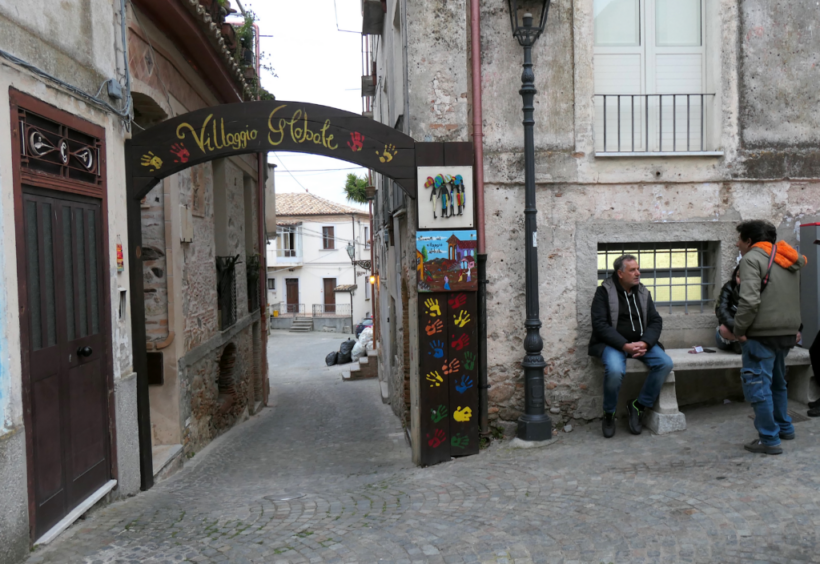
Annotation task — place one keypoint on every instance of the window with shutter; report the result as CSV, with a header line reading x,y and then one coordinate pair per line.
x,y
650,76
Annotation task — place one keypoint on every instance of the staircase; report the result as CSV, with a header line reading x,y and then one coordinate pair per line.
x,y
366,367
302,325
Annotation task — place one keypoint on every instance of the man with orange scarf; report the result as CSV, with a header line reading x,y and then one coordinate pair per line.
x,y
766,324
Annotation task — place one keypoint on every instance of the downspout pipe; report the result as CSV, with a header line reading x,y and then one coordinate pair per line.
x,y
478,145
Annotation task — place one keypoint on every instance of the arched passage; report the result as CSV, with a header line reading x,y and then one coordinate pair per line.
x,y
234,129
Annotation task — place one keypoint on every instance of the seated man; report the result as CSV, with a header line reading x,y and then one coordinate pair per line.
x,y
625,325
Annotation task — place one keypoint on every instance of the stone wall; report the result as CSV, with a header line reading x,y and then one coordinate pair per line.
x,y
761,58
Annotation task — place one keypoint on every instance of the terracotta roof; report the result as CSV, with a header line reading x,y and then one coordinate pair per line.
x,y
308,204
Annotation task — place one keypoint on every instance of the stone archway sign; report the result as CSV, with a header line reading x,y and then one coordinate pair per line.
x,y
261,127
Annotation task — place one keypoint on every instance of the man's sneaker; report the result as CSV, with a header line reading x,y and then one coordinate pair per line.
x,y
813,404
814,412
787,436
608,425
757,447
635,415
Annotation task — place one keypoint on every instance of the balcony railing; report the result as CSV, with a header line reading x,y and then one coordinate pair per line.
x,y
330,310
290,310
652,123
288,256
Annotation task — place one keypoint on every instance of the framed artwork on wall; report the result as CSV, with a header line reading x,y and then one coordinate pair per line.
x,y
446,261
445,197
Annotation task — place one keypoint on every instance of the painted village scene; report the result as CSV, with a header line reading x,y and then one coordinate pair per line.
x,y
446,260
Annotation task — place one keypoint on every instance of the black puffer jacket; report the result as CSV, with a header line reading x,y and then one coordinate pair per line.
x,y
726,305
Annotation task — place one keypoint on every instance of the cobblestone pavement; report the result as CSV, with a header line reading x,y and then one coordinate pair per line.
x,y
324,476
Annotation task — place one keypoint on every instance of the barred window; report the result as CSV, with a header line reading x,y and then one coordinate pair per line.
x,y
681,276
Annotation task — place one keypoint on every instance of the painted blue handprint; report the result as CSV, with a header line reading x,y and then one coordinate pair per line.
x,y
438,349
466,384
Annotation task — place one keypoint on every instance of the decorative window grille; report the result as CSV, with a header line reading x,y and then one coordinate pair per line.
x,y
681,276
226,290
49,147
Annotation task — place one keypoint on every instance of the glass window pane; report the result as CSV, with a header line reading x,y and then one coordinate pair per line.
x,y
33,264
79,256
677,23
617,22
92,259
48,276
68,266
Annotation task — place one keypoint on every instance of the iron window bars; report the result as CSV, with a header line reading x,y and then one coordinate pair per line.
x,y
679,275
625,108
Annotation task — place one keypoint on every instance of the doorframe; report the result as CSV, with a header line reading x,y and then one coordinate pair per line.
x,y
42,180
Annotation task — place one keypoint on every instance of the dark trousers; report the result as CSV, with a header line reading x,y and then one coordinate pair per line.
x,y
814,354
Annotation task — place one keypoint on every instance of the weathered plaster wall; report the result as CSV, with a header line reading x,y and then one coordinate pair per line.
x,y
761,65
14,539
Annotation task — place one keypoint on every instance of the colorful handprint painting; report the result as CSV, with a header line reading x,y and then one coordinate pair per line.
x,y
445,195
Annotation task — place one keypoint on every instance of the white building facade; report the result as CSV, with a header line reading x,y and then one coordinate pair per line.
x,y
310,270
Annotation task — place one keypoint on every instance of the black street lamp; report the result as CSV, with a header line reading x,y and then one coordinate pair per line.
x,y
534,424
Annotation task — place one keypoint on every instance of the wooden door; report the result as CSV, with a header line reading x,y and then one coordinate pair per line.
x,y
330,295
292,285
63,274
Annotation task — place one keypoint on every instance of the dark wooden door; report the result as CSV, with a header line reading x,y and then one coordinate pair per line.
x,y
292,285
64,268
330,295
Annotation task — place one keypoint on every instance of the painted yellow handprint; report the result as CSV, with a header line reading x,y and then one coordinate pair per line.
x,y
435,379
152,161
388,154
462,319
463,415
433,309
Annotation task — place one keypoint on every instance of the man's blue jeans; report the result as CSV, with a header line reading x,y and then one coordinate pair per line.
x,y
764,384
659,363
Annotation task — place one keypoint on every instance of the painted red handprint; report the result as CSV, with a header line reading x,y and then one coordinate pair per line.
x,y
451,367
180,151
356,141
461,342
438,438
434,327
457,301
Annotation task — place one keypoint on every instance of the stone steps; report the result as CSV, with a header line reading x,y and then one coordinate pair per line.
x,y
367,367
301,325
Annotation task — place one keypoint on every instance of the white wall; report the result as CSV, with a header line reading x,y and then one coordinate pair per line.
x,y
318,263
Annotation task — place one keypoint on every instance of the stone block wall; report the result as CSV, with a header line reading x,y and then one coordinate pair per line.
x,y
207,412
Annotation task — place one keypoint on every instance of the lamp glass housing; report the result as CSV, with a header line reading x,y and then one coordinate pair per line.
x,y
351,250
372,280
538,9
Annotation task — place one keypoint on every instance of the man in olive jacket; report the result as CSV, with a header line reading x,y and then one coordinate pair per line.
x,y
625,324
766,324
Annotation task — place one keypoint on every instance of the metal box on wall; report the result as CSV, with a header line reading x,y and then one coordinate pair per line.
x,y
810,282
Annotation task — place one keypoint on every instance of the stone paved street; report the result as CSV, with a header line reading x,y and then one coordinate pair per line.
x,y
324,475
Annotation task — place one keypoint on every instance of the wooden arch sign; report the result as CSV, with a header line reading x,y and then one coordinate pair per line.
x,y
260,127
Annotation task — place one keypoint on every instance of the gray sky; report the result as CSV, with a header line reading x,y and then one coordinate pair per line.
x,y
315,63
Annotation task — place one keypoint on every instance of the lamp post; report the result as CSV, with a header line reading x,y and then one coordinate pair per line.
x,y
351,252
534,424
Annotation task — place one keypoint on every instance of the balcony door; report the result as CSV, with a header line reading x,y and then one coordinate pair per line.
x,y
63,275
645,49
330,295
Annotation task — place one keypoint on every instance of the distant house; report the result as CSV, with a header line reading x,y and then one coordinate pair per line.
x,y
308,264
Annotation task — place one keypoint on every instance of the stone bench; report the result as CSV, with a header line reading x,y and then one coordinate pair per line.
x,y
665,417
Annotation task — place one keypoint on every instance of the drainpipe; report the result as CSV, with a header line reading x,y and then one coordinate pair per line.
x,y
478,143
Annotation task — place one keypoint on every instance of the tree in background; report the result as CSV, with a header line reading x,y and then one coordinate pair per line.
x,y
424,253
356,189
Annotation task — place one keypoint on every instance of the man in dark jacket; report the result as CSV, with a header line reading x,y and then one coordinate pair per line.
x,y
625,325
766,324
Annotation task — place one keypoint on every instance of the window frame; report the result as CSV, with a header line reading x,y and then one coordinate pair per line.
x,y
707,270
328,238
272,284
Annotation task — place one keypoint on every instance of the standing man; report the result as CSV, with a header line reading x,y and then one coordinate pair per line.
x,y
766,324
625,325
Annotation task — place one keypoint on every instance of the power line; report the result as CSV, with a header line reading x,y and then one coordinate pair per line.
x,y
329,169
291,174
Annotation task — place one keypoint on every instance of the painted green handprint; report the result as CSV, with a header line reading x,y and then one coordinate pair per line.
x,y
459,441
439,414
469,360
